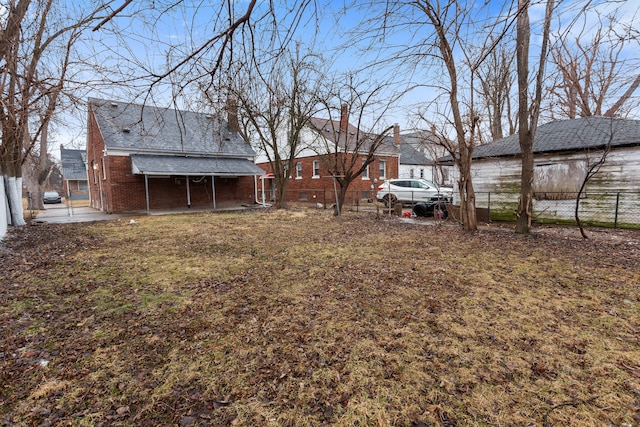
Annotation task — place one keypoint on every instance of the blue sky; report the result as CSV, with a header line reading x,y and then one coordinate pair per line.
x,y
336,21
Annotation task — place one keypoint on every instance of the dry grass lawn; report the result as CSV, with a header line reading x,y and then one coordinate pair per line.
x,y
292,318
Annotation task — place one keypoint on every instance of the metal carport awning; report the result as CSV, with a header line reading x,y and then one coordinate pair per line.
x,y
144,164
179,165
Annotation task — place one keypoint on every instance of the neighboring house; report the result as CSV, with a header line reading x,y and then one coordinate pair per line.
x,y
563,152
74,174
142,157
310,178
418,151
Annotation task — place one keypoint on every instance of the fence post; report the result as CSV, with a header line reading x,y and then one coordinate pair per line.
x,y
615,221
489,206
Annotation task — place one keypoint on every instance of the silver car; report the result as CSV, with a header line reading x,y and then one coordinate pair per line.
x,y
412,191
52,197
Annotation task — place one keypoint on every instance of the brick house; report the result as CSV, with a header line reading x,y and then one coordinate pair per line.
x,y
310,180
74,174
142,157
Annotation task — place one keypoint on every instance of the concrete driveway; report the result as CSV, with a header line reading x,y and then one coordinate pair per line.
x,y
60,213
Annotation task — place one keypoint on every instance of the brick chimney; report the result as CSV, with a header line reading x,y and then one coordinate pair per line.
x,y
396,135
344,119
232,114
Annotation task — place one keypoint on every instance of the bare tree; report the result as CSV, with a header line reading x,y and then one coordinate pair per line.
x,y
528,114
592,75
449,42
26,85
206,49
349,147
276,101
496,75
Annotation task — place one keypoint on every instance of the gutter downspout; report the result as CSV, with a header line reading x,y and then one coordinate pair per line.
x,y
188,193
146,192
213,190
255,188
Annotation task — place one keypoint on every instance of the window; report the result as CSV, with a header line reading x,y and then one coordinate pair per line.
x,y
299,170
411,175
83,185
303,196
422,173
316,169
558,181
104,170
365,172
383,169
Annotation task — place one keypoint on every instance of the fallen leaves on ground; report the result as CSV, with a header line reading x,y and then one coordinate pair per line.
x,y
293,318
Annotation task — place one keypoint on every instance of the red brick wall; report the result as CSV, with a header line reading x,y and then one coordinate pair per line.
x,y
128,190
74,187
123,191
325,183
95,147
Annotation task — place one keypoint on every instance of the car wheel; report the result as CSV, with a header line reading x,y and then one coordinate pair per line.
x,y
440,211
386,199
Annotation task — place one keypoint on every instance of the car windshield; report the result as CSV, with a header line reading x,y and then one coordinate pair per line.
x,y
51,194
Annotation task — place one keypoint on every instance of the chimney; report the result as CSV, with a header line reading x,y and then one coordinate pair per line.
x,y
396,135
232,114
344,119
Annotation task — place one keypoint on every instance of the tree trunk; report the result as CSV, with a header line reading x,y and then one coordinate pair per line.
x,y
528,114
281,191
525,206
342,194
12,170
523,33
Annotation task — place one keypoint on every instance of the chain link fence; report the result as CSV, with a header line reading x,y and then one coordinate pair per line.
x,y
619,210
615,209
355,200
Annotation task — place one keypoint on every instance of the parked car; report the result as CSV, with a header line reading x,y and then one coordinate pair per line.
x,y
52,197
412,191
437,210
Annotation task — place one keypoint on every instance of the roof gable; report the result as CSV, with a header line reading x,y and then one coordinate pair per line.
x,y
73,164
148,129
330,130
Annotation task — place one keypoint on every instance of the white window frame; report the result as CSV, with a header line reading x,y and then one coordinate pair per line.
x,y
365,173
316,169
299,170
383,169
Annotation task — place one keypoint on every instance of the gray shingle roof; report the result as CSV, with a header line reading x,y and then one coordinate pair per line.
x,y
330,129
410,156
568,135
172,165
73,164
148,129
